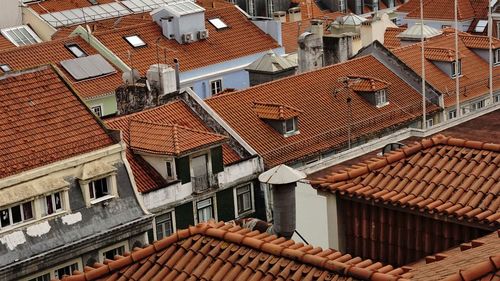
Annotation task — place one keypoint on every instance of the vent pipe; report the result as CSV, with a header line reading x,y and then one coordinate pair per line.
x,y
283,181
177,78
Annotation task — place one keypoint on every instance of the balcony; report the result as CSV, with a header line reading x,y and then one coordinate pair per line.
x,y
204,182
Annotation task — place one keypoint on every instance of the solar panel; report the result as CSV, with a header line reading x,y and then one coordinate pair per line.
x,y
20,35
87,67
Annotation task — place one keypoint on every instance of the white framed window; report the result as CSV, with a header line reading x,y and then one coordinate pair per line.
x,y
135,41
430,123
290,125
481,26
21,35
76,50
381,98
111,251
53,203
97,109
65,270
453,74
496,57
452,114
477,105
205,210
497,98
44,277
244,199
215,86
57,272
164,225
218,23
5,67
16,214
170,170
98,188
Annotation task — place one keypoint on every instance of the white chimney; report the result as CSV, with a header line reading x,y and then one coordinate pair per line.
x,y
294,14
162,77
317,27
279,16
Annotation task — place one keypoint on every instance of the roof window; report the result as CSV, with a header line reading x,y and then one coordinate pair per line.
x,y
76,50
21,35
5,67
455,70
218,23
481,26
135,41
282,118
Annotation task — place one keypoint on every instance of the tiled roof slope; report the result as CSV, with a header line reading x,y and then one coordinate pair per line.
x,y
443,175
474,78
177,112
54,52
475,260
49,6
241,38
441,54
227,252
367,84
444,10
5,43
42,121
391,40
169,139
323,123
275,111
479,42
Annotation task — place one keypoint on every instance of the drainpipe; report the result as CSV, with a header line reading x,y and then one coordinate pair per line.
x,y
177,78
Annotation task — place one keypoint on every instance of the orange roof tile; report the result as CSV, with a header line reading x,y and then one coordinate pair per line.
x,y
242,38
222,251
476,260
42,121
169,139
5,43
474,78
448,176
443,10
49,6
275,111
441,54
54,52
391,40
360,83
323,124
177,112
479,42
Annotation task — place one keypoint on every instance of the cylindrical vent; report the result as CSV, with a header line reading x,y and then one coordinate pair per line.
x,y
284,209
294,14
279,16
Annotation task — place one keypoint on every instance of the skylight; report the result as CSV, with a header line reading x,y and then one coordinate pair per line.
x,y
76,50
135,41
218,23
5,67
20,35
481,26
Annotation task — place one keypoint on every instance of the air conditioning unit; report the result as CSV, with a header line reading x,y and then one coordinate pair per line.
x,y
187,37
202,34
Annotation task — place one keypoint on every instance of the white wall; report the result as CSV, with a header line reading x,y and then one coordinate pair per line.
x,y
164,196
239,172
10,14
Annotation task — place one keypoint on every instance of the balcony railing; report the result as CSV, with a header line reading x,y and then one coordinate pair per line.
x,y
204,182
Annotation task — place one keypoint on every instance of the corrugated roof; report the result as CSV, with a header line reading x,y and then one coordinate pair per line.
x,y
415,32
271,63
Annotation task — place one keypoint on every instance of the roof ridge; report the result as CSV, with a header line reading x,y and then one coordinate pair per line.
x,y
221,231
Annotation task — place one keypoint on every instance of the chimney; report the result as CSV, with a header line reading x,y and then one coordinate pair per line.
x,y
310,52
337,48
317,27
177,74
279,16
294,14
283,181
163,78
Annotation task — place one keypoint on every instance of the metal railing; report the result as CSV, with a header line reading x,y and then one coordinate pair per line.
x,y
204,182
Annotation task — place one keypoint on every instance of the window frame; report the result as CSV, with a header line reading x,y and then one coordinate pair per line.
x,y
23,220
113,247
217,90
496,57
211,205
237,212
5,33
128,39
53,202
71,47
161,223
5,67
452,114
100,106
92,194
453,74
381,98
172,175
429,123
218,23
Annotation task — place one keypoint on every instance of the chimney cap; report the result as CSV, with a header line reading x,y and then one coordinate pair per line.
x,y
281,174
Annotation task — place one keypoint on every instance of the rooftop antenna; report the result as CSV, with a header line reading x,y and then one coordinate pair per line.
x,y
422,57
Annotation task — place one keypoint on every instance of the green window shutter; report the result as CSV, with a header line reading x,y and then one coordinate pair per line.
x,y
225,205
184,216
182,169
217,160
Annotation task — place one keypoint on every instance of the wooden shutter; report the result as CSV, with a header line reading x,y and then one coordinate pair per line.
x,y
184,216
182,169
225,204
217,160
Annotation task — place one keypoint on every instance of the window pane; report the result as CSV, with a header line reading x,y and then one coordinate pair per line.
x,y
57,200
49,207
27,211
16,214
4,217
101,187
91,190
169,169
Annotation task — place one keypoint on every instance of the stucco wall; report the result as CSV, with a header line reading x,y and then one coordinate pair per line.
x,y
108,104
10,14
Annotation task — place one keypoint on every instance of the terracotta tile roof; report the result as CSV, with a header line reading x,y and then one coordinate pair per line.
x,y
49,6
447,176
5,43
366,84
474,78
472,27
228,252
177,112
441,54
275,111
322,125
54,52
391,40
240,39
42,121
169,139
310,10
479,42
476,260
443,10
290,31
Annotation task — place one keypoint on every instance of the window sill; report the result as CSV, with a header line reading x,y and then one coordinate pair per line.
x,y
101,199
382,104
31,222
289,134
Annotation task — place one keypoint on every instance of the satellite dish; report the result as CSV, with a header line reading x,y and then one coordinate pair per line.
x,y
129,77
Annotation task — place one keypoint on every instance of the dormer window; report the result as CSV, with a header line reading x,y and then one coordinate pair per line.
x,y
98,188
290,125
98,182
282,118
496,57
455,70
135,41
372,89
381,97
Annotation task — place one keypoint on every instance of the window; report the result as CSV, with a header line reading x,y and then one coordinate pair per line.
x,y
170,170
481,26
205,210
16,214
135,41
477,105
5,67
53,203
66,270
216,86
381,98
110,254
496,57
290,126
164,225
452,114
218,23
497,98
45,277
21,35
430,123
76,50
453,74
244,199
98,188
97,110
